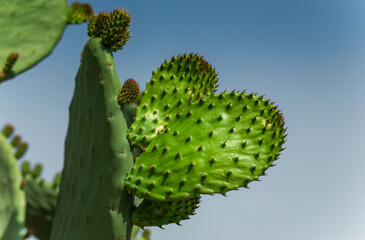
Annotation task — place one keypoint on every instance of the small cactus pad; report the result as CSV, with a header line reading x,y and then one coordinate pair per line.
x,y
12,198
158,213
112,28
177,82
129,92
41,202
78,12
217,144
30,30
92,202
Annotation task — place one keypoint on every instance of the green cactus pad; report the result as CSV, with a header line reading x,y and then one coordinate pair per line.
x,y
177,82
30,29
93,203
12,199
217,144
158,213
41,203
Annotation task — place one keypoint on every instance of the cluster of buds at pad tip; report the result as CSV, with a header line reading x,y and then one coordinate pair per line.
x,y
78,12
111,27
129,92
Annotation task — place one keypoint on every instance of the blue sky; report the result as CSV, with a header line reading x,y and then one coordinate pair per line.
x,y
308,56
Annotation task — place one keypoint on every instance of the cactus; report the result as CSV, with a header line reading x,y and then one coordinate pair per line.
x,y
26,200
41,198
176,83
97,153
134,159
33,28
217,144
12,200
157,213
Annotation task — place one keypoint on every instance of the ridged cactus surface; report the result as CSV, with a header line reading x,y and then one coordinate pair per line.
x,y
181,80
31,29
157,213
93,203
216,144
12,198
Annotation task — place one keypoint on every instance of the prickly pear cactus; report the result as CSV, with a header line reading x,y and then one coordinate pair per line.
x,y
93,203
32,30
215,144
12,198
157,213
181,80
41,198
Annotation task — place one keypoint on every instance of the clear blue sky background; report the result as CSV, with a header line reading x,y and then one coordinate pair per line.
x,y
308,56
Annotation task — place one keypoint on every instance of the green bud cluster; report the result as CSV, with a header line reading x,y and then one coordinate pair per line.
x,y
10,61
111,27
129,92
78,12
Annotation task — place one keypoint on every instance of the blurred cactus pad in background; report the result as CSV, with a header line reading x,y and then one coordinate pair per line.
x,y
33,28
132,159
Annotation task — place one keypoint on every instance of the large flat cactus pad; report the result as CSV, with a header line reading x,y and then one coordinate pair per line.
x,y
30,28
